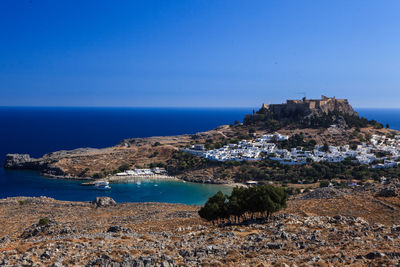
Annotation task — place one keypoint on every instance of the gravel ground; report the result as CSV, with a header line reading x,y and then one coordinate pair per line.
x,y
309,232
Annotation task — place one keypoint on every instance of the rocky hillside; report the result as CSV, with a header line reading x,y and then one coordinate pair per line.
x,y
86,162
353,227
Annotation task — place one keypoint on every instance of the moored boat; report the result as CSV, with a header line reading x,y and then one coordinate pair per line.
x,y
102,185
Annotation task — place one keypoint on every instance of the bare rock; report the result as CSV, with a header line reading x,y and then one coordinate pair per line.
x,y
104,202
324,193
17,160
388,192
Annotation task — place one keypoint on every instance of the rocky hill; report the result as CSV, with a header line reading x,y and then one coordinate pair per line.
x,y
355,227
308,113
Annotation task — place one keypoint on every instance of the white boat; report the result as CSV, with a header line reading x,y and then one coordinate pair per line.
x,y
102,185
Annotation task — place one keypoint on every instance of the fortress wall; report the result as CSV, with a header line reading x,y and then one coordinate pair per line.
x,y
308,106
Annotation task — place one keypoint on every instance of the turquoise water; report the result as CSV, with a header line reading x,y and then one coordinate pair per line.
x,y
29,183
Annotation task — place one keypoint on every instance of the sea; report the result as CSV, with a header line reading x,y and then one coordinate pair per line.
x,y
40,130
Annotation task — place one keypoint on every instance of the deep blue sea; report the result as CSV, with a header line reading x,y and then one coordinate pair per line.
x,y
41,130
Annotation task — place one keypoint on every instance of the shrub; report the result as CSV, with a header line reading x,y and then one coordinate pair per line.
x,y
324,184
155,154
44,221
123,167
98,175
21,202
84,172
252,130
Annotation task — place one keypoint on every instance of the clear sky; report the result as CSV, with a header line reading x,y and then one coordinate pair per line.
x,y
198,53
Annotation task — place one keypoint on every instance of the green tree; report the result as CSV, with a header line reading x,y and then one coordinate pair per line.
x,y
260,200
123,167
325,147
215,208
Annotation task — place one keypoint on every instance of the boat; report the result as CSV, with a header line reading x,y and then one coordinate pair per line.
x,y
102,185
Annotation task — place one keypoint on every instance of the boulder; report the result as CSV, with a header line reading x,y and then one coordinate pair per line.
x,y
388,192
104,202
324,193
274,245
374,255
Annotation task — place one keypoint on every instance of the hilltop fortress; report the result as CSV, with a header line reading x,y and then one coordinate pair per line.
x,y
300,108
305,113
307,107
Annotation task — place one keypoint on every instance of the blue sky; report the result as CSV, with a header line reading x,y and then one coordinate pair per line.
x,y
198,53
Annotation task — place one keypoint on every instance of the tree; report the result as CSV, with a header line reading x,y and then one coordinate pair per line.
x,y
262,200
236,122
215,207
325,148
252,130
123,167
235,204
387,126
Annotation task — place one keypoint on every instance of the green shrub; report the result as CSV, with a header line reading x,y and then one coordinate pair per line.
x,y
44,221
155,154
123,167
21,202
98,175
324,184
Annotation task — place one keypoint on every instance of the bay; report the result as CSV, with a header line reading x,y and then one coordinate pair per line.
x,y
37,131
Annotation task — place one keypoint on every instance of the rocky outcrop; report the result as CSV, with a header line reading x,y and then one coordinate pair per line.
x,y
25,162
388,192
324,193
46,164
20,161
103,202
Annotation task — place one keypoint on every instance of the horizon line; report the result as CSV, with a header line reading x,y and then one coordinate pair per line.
x,y
219,107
